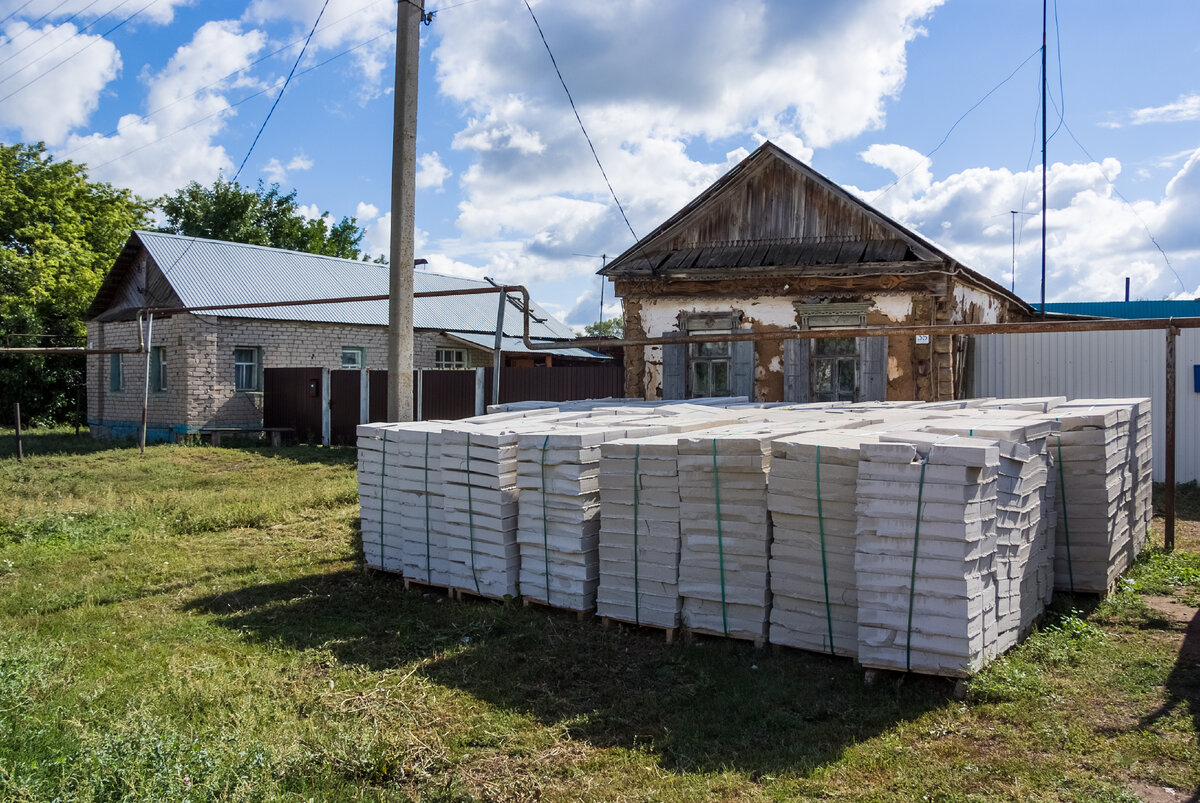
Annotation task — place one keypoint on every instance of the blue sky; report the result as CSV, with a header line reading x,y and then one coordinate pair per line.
x,y
154,93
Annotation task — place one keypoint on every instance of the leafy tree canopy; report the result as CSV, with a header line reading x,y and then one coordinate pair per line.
x,y
613,327
264,216
59,235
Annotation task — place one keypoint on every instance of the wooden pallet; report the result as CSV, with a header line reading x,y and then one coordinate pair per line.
x,y
579,615
668,632
690,633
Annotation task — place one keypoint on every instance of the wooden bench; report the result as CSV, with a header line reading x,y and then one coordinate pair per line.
x,y
276,433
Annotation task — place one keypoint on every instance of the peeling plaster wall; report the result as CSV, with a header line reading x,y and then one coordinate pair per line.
x,y
969,303
896,307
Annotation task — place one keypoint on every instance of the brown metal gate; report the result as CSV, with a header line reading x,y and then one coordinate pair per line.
x,y
345,406
292,398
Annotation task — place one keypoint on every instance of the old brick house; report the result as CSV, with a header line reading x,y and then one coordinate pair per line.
x,y
775,245
208,369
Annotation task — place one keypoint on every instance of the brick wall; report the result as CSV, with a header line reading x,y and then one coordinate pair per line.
x,y
199,354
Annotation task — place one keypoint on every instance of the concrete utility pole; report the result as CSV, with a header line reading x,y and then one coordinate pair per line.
x,y
409,16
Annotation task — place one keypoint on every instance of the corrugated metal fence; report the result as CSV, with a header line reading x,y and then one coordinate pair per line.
x,y
1099,364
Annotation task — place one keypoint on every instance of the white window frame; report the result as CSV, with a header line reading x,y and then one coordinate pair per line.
x,y
360,358
451,359
255,385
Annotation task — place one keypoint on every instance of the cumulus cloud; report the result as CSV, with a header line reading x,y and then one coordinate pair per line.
x,y
1094,239
803,74
431,173
52,79
160,12
277,172
174,143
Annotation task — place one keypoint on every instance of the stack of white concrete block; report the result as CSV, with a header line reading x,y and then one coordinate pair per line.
x,y
559,521
725,528
1096,478
414,456
479,484
639,535
925,569
379,515
812,498
1024,545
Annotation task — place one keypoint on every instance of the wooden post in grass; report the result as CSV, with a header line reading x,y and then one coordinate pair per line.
x,y
17,421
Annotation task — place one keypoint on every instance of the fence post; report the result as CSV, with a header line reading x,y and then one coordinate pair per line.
x,y
420,394
1169,535
326,413
364,397
479,391
17,420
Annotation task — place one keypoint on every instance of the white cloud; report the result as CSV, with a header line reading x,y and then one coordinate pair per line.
x,y
803,74
1094,239
431,173
53,79
160,12
175,143
1187,107
308,211
277,172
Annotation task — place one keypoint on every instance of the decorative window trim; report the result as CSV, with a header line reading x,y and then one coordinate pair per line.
x,y
359,353
826,316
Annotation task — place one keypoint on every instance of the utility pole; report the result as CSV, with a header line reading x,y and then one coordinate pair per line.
x,y
409,16
1044,160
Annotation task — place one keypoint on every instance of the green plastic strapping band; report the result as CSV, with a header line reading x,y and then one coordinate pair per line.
x,y
720,540
637,481
545,526
428,559
1062,491
912,580
824,565
382,475
471,516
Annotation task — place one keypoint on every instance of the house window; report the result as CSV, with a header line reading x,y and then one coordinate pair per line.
x,y
450,359
247,365
115,377
710,365
158,368
834,363
353,358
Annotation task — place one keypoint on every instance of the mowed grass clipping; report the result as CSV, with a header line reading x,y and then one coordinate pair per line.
x,y
194,624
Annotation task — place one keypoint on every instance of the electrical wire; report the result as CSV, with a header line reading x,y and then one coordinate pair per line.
x,y
1062,113
578,119
47,33
962,117
77,52
281,90
18,10
62,44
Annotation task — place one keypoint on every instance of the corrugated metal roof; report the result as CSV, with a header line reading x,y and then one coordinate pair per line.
x,y
516,345
209,272
1129,309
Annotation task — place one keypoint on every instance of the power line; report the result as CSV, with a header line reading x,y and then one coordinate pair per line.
x,y
281,90
77,52
62,44
52,30
18,10
962,117
578,119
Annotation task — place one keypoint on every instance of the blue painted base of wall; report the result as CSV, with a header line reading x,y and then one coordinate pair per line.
x,y
156,433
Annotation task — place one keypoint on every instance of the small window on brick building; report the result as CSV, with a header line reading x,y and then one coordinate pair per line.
x,y
247,367
115,378
353,358
450,359
158,368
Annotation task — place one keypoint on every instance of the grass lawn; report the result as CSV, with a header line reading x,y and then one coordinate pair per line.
x,y
195,624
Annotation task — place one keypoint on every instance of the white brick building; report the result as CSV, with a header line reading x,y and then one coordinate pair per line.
x,y
207,369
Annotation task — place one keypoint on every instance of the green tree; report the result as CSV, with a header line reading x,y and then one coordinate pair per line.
x,y
59,235
613,327
264,216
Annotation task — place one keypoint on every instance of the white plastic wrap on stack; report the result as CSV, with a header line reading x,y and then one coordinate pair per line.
x,y
1095,495
379,516
479,474
812,498
925,558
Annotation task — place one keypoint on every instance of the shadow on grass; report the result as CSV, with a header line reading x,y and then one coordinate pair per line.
x,y
1183,685
711,706
58,441
296,453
